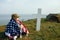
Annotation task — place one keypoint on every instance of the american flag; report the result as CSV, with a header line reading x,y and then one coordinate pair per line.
x,y
24,29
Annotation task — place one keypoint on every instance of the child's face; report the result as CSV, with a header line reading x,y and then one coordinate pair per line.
x,y
17,18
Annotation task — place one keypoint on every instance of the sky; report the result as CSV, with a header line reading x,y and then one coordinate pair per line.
x,y
29,6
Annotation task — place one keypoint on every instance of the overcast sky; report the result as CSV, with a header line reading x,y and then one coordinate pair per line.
x,y
29,6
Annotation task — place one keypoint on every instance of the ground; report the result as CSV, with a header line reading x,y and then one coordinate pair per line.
x,y
48,31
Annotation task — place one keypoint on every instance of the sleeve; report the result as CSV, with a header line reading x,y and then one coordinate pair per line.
x,y
9,27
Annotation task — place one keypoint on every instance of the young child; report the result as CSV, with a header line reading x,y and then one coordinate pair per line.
x,y
15,28
12,30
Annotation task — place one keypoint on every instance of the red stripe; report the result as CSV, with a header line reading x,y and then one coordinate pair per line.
x,y
23,25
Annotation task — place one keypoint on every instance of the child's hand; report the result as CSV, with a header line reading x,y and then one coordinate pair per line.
x,y
27,32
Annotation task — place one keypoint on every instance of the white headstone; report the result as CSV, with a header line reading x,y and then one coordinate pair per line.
x,y
38,17
38,20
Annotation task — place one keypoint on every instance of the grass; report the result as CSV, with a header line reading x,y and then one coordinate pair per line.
x,y
48,31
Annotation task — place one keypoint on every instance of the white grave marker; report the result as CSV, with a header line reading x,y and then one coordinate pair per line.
x,y
38,20
38,17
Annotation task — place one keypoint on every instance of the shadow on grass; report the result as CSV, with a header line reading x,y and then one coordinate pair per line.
x,y
2,36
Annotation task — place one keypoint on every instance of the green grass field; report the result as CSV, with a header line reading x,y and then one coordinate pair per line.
x,y
48,31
